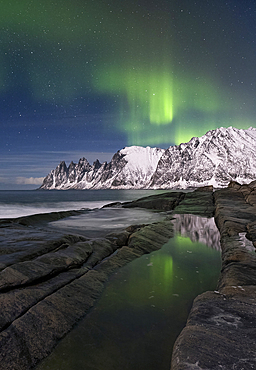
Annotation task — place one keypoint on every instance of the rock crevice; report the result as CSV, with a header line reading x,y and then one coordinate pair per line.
x,y
49,281
44,292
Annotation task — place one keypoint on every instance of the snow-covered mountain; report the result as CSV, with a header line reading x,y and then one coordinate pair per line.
x,y
216,158
131,167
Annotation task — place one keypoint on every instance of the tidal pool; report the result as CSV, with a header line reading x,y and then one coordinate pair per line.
x,y
144,306
97,223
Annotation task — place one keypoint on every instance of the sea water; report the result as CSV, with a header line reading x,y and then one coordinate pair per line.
x,y
23,203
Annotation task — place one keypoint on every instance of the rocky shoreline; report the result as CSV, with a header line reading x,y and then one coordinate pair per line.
x,y
49,280
221,328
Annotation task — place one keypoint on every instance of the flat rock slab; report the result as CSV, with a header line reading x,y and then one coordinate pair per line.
x,y
220,332
199,202
164,202
46,289
221,328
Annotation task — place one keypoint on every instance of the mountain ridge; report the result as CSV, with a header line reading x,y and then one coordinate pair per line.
x,y
216,158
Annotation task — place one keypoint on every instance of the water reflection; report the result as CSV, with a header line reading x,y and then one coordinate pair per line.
x,y
144,307
198,229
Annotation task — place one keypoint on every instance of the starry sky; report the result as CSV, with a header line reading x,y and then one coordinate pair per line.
x,y
85,78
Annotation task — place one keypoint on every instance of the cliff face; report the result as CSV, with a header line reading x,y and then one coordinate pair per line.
x,y
130,167
216,158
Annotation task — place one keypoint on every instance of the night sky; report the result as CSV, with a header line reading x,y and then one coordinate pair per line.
x,y
86,78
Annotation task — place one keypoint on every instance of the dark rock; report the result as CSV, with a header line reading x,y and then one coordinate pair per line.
x,y
151,237
32,336
57,282
197,203
232,212
20,243
119,239
234,184
45,217
204,188
113,205
48,264
221,328
49,281
220,332
164,202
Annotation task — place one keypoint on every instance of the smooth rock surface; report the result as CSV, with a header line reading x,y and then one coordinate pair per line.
x,y
221,328
220,332
49,281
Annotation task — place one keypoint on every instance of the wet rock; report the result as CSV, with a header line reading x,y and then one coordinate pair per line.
x,y
20,243
32,336
113,205
151,237
221,328
199,202
143,240
164,202
49,281
41,218
17,301
232,212
45,291
119,238
220,332
26,272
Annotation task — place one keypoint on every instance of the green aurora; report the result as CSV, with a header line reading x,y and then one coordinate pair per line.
x,y
164,70
155,100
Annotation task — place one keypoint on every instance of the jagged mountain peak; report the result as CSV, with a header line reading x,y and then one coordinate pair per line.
x,y
216,158
129,167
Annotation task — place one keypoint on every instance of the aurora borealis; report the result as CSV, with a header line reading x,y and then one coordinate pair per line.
x,y
86,78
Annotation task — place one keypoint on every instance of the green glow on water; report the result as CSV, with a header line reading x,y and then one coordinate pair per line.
x,y
165,275
144,308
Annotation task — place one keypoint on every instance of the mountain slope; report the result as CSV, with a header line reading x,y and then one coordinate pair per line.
x,y
216,158
131,167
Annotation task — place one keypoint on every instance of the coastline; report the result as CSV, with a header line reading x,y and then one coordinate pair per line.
x,y
47,289
49,280
221,328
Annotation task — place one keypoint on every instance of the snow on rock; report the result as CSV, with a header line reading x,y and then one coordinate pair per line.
x,y
216,158
131,167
